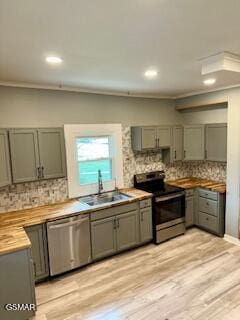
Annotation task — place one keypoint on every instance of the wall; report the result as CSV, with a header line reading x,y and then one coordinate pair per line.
x,y
232,96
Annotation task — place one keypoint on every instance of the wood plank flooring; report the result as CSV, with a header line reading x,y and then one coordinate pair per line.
x,y
194,276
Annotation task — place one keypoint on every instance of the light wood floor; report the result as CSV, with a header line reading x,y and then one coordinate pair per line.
x,y
195,276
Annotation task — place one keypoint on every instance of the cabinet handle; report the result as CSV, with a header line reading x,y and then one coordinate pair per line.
x,y
141,216
114,224
158,142
206,154
38,172
42,172
184,153
34,267
175,154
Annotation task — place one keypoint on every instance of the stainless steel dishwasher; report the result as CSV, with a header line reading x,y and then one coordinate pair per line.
x,y
69,243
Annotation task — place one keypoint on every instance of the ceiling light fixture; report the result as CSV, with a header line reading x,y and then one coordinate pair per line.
x,y
53,60
209,82
150,74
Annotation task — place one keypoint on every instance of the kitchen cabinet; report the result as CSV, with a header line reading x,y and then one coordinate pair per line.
x,y
146,232
189,208
211,211
177,145
194,142
216,142
114,229
150,137
5,172
38,238
127,230
37,154
17,284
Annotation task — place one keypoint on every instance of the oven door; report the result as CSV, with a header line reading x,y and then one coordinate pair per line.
x,y
169,208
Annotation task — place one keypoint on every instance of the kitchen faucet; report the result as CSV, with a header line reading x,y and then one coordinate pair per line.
x,y
100,183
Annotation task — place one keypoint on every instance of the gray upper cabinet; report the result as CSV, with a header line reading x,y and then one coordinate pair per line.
x,y
194,142
177,146
5,172
216,142
37,154
24,154
127,230
52,153
151,137
37,236
164,137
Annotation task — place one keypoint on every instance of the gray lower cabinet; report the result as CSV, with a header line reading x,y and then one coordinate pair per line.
x,y
37,154
5,172
216,142
127,230
194,142
38,238
189,208
211,211
146,231
17,284
104,242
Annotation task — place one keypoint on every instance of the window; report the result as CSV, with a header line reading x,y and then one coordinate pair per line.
x,y
93,154
89,148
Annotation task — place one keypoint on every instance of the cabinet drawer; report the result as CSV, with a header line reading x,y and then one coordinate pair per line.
x,y
189,192
208,206
208,194
108,212
208,222
145,203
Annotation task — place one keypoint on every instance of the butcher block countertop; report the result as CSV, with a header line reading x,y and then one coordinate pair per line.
x,y
12,234
190,182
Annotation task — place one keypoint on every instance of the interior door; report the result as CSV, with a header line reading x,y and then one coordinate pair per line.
x,y
5,173
52,153
24,154
149,138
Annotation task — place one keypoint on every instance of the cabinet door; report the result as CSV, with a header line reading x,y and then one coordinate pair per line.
x,y
216,142
164,137
127,230
24,154
189,211
194,142
52,153
149,138
177,143
103,235
146,232
5,173
37,236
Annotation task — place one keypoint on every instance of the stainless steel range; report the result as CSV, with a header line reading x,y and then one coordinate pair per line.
x,y
168,205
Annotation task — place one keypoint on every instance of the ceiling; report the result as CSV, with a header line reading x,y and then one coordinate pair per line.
x,y
107,45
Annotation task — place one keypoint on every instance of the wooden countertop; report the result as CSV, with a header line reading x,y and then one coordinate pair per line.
x,y
191,182
12,234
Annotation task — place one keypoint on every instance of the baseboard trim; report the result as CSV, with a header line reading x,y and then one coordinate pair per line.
x,y
231,239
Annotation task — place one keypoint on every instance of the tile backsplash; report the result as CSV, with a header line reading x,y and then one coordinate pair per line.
x,y
33,194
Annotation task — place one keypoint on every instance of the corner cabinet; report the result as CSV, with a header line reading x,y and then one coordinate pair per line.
x,y
194,145
151,137
5,172
216,142
37,154
38,239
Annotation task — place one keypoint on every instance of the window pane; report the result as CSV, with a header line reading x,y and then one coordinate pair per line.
x,y
88,171
92,148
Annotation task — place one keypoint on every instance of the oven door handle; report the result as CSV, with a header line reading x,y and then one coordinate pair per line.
x,y
173,196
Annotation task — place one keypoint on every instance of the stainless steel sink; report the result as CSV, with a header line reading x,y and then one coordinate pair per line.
x,y
103,198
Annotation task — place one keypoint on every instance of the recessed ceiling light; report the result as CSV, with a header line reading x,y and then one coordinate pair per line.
x,y
151,73
53,60
209,82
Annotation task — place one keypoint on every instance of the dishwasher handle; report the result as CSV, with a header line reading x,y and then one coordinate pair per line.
x,y
67,224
